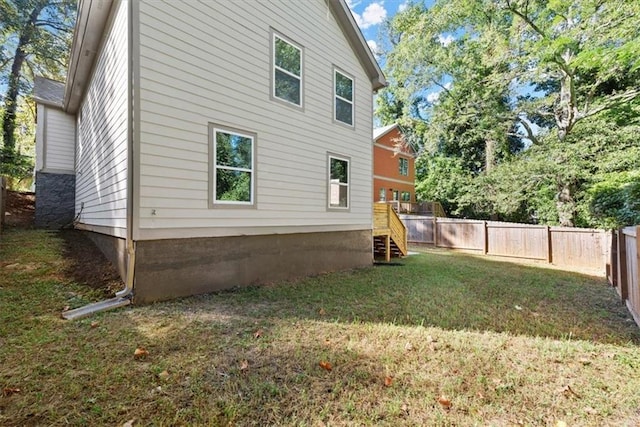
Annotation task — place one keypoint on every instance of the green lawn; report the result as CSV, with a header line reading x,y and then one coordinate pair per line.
x,y
443,339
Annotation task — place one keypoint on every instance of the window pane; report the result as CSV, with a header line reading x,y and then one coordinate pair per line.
x,y
287,87
339,195
339,171
344,87
287,56
233,185
344,111
233,150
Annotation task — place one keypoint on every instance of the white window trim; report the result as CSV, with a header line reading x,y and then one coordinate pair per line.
x,y
336,96
213,130
275,35
347,208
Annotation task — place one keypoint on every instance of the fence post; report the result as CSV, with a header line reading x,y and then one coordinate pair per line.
x,y
613,260
622,264
435,231
549,246
3,201
485,249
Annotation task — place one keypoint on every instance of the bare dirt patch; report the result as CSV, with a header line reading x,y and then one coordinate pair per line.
x,y
84,263
20,209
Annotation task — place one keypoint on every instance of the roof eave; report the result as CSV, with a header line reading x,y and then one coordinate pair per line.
x,y
345,19
88,33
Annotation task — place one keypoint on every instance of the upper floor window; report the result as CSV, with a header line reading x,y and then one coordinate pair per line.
x,y
404,166
338,182
343,98
287,71
233,167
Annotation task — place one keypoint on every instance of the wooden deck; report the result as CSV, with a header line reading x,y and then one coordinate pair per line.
x,y
389,233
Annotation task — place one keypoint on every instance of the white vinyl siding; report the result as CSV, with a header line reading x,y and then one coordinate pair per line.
x,y
101,171
56,138
210,62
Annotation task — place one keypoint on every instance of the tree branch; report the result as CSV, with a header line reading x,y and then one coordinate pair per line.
x,y
525,18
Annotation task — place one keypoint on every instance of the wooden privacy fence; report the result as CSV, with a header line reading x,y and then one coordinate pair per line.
x,y
624,274
573,248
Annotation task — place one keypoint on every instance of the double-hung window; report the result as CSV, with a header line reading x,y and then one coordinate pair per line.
x,y
343,98
287,71
233,176
404,166
338,182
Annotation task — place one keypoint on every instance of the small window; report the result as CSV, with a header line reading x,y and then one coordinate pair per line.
x,y
233,178
338,182
404,166
343,98
287,71
406,196
382,195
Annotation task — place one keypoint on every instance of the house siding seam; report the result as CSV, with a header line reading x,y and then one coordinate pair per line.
x,y
228,82
101,165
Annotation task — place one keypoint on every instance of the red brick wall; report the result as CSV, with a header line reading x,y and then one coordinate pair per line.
x,y
386,167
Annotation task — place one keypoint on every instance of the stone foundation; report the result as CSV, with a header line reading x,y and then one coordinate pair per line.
x,y
55,199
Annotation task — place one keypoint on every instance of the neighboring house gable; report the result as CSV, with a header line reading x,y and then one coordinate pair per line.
x,y
216,143
394,166
55,158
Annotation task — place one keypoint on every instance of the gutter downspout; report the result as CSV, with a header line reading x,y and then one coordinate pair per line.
x,y
125,296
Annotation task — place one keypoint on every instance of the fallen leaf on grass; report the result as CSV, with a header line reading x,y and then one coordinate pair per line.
x,y
140,353
258,333
129,423
244,365
589,410
164,375
326,366
431,339
517,307
388,381
66,308
321,312
444,402
405,408
568,392
95,324
8,391
408,347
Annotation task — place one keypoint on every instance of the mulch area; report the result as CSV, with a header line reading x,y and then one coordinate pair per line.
x,y
85,262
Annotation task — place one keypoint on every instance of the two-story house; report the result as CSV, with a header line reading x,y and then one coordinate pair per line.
x,y
220,143
394,167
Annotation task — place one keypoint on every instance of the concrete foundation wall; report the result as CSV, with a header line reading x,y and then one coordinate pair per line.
x,y
167,269
55,199
113,248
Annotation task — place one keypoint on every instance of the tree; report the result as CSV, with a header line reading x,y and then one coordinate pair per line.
x,y
493,77
36,37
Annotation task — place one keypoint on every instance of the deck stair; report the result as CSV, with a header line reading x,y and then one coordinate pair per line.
x,y
389,233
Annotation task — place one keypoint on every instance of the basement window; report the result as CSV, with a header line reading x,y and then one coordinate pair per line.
x,y
233,160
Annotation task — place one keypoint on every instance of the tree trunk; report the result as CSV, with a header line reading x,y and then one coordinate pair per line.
x,y
489,154
13,88
565,205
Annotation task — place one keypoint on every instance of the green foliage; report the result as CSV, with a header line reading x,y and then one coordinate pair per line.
x,y
532,104
36,37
